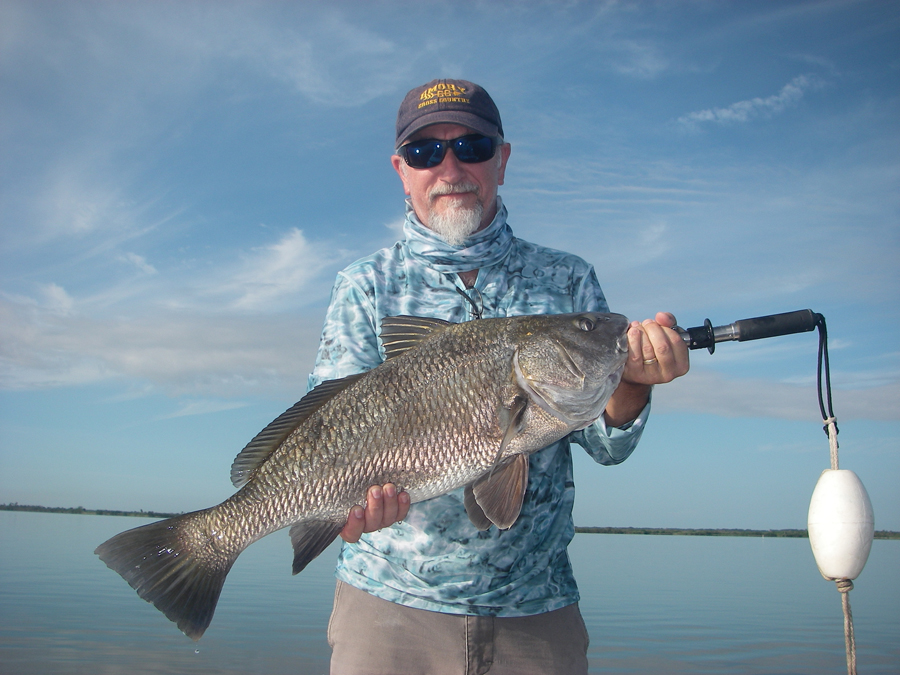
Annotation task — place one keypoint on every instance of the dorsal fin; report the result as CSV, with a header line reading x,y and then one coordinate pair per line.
x,y
399,333
266,441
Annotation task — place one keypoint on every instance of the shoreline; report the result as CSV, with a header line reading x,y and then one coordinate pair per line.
x,y
715,532
673,531
81,511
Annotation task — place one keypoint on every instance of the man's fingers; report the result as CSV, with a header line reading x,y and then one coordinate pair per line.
x,y
390,507
355,526
635,342
666,319
385,505
374,508
656,354
395,505
656,342
403,509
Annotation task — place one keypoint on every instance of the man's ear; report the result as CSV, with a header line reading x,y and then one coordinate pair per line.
x,y
400,167
504,158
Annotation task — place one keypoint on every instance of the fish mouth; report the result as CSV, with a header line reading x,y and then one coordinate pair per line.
x,y
622,343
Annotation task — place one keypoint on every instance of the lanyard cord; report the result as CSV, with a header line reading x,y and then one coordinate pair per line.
x,y
477,307
825,406
844,586
824,401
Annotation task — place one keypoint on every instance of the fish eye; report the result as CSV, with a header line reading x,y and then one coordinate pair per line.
x,y
585,324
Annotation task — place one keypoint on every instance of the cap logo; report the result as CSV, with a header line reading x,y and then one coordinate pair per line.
x,y
442,93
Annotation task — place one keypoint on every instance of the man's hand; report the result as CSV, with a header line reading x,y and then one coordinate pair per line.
x,y
656,355
384,507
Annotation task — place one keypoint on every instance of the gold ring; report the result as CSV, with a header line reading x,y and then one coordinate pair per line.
x,y
648,362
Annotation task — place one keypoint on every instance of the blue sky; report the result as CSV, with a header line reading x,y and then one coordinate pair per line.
x,y
181,182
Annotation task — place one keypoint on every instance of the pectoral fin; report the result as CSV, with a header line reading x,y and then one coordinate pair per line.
x,y
512,420
497,497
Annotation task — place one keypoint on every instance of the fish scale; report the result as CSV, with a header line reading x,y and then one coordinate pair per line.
x,y
453,405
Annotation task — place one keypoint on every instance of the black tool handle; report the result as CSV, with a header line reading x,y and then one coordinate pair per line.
x,y
801,321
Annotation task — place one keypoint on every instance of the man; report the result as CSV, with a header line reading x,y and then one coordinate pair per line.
x,y
420,589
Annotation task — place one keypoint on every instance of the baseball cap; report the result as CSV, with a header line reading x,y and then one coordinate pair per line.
x,y
448,102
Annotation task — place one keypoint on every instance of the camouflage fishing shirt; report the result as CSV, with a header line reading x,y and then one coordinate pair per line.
x,y
436,559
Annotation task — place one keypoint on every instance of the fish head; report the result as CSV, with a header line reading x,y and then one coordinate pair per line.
x,y
570,364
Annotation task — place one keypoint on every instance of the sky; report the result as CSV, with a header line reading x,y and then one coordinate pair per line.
x,y
180,183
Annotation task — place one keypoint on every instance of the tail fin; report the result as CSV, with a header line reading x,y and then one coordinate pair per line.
x,y
168,565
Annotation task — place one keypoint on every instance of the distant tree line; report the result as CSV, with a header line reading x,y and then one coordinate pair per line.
x,y
80,510
724,532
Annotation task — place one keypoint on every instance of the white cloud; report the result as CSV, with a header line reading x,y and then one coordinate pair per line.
x,y
205,407
278,272
334,62
318,50
138,261
652,241
56,300
396,227
79,204
744,111
176,351
74,202
222,329
638,59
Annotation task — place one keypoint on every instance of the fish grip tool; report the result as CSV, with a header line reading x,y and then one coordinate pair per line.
x,y
788,323
772,325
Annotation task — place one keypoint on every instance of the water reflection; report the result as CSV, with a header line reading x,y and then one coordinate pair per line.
x,y
652,604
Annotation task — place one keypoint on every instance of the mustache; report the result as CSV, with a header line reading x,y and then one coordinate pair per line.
x,y
452,188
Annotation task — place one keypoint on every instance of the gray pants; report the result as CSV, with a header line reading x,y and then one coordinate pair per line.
x,y
371,636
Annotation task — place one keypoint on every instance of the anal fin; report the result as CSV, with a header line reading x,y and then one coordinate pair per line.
x,y
309,538
474,511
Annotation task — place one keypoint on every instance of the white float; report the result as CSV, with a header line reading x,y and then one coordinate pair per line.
x,y
841,524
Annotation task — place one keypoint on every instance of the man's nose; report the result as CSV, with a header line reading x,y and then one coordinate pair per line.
x,y
451,170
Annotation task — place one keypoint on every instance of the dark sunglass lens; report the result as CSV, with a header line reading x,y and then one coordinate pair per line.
x,y
425,154
429,152
474,148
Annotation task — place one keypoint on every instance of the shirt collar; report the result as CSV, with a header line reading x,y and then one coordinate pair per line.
x,y
484,248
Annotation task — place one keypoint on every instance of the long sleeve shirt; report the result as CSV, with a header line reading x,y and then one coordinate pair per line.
x,y
436,559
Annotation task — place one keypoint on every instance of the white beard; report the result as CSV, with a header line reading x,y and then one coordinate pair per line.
x,y
455,225
456,222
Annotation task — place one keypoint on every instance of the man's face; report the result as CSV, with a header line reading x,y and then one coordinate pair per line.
x,y
473,186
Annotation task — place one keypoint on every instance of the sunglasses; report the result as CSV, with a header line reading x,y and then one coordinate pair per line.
x,y
429,152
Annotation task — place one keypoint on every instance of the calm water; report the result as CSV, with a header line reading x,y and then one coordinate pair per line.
x,y
653,604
